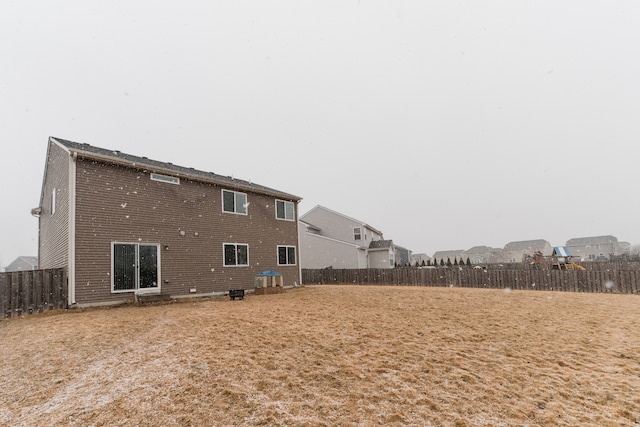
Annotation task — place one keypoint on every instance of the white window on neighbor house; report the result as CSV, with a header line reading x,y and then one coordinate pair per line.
x,y
53,202
392,261
234,202
286,255
236,254
285,210
357,233
165,178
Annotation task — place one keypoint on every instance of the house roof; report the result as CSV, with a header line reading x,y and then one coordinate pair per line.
x,y
364,224
481,250
526,245
381,244
119,158
597,240
448,254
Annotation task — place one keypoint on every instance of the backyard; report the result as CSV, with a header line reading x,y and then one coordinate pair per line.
x,y
340,355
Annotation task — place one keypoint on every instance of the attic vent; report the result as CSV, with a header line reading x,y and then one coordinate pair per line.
x,y
165,178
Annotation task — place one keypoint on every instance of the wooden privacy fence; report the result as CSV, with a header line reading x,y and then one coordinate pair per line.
x,y
619,281
32,291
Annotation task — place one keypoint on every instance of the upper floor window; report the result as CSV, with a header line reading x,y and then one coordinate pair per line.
x,y
235,202
236,254
286,255
285,210
165,178
357,233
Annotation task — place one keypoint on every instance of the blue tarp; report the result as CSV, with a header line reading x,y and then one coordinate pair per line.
x,y
268,273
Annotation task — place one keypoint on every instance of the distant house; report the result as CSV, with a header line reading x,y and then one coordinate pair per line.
x,y
518,251
420,259
331,239
483,255
402,256
23,263
449,255
598,248
122,224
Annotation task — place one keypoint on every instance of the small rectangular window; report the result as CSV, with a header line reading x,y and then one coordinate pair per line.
x,y
165,178
236,254
285,210
286,255
357,233
234,202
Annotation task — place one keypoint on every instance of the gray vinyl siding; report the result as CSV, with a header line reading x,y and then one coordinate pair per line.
x,y
53,251
121,204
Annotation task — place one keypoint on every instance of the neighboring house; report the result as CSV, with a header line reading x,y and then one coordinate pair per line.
x,y
518,251
123,224
598,248
420,259
452,256
482,255
331,239
23,263
402,256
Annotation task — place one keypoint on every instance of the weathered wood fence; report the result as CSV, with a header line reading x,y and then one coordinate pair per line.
x,y
32,291
597,280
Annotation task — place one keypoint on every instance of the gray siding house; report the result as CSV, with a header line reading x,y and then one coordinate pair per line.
x,y
483,255
122,224
451,255
331,239
517,251
23,263
598,248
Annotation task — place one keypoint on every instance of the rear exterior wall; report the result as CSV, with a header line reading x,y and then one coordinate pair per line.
x,y
53,251
120,204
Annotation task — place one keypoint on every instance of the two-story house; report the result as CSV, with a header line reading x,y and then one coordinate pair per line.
x,y
520,250
331,239
597,248
122,224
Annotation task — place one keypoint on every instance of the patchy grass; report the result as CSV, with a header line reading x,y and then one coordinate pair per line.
x,y
331,356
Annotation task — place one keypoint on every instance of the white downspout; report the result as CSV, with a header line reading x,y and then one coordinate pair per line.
x,y
72,229
298,245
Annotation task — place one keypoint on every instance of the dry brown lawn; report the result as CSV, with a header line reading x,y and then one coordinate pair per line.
x,y
331,356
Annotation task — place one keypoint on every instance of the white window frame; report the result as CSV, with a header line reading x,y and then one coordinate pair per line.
x,y
236,202
291,211
295,254
137,288
236,245
357,235
165,178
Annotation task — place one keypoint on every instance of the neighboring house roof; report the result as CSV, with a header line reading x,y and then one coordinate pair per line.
x,y
597,240
381,244
310,226
481,250
117,157
448,254
23,263
364,224
526,245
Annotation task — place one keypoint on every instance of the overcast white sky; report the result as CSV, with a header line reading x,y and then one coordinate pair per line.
x,y
443,124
